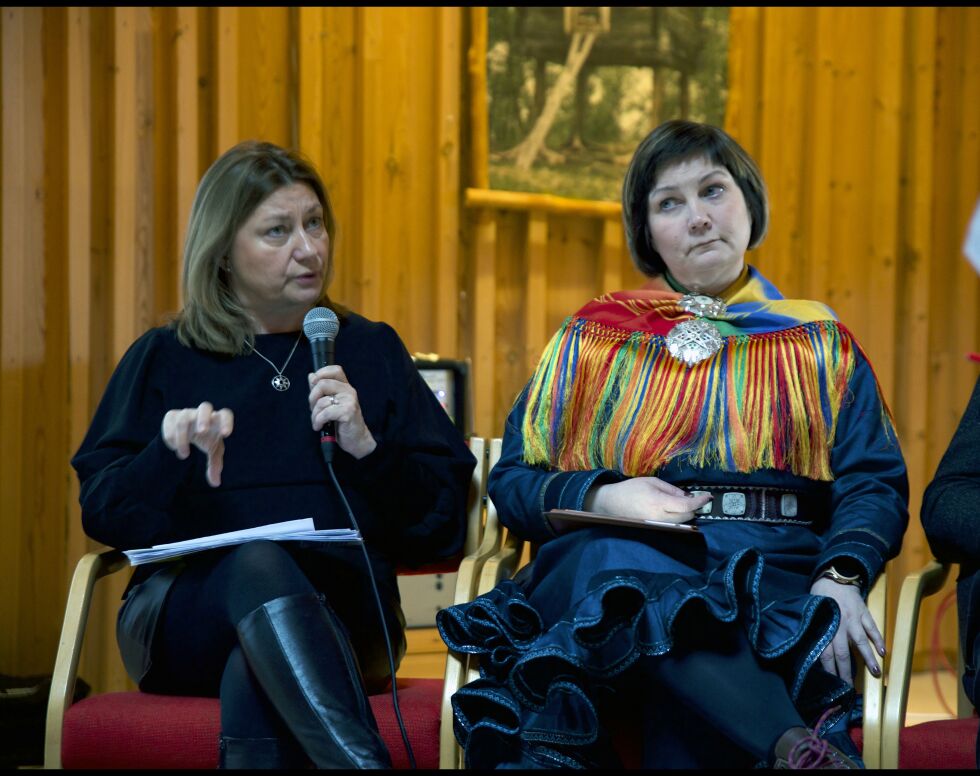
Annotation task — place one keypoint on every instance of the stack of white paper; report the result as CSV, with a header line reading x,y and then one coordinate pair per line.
x,y
290,530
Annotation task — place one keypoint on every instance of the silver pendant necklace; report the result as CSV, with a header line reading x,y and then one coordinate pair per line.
x,y
280,382
696,340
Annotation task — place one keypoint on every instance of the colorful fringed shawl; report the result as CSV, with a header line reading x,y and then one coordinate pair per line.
x,y
607,394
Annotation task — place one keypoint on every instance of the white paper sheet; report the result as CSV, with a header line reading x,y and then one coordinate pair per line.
x,y
289,530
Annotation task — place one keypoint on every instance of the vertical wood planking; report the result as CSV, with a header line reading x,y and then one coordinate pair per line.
x,y
188,147
263,66
920,71
484,328
371,201
511,267
343,144
572,254
162,153
849,234
535,314
742,113
392,108
47,406
964,91
447,194
21,308
397,262
80,266
611,256
476,60
781,138
124,185
228,93
817,161
310,84
886,50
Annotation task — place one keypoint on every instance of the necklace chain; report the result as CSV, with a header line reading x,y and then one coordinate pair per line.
x,y
280,382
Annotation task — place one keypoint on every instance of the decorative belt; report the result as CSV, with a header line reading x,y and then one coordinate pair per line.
x,y
756,504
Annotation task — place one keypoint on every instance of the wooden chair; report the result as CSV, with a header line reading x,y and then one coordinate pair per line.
x,y
513,554
948,743
140,730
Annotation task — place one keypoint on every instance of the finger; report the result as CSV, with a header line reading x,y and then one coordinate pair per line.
x,y
324,412
869,640
666,487
182,435
226,423
330,372
871,628
685,503
216,460
203,420
323,388
168,429
842,657
863,647
827,660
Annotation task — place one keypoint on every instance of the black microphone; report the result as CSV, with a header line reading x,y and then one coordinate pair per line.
x,y
320,327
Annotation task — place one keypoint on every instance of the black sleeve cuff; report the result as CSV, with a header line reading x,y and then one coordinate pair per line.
x,y
566,490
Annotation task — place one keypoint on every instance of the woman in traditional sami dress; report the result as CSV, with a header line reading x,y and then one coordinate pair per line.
x,y
703,398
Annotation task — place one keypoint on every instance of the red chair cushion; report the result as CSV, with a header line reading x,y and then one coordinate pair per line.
x,y
945,743
141,730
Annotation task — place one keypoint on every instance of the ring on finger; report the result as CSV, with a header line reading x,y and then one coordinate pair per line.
x,y
334,400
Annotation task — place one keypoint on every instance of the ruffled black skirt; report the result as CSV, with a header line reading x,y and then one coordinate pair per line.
x,y
562,642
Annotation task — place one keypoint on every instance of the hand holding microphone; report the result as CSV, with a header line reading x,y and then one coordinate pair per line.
x,y
335,411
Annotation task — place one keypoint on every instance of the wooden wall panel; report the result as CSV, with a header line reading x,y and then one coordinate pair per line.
x,y
22,345
865,124
109,117
885,178
864,121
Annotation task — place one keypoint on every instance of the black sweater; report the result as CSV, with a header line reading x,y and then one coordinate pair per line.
x,y
408,496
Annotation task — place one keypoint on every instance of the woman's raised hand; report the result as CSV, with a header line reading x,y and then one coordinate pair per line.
x,y
644,497
203,427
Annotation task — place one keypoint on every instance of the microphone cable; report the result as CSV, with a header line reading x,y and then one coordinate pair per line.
x,y
381,614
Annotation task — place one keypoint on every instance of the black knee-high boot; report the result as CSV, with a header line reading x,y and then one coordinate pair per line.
x,y
300,655
259,754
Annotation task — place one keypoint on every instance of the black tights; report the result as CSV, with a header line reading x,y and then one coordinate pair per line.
x,y
718,681
196,649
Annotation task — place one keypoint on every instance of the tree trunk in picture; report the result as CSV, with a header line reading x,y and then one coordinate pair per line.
x,y
576,141
529,148
540,88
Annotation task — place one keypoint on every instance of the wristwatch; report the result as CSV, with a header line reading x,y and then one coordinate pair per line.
x,y
842,579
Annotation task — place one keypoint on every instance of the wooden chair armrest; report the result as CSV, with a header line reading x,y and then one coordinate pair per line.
x,y
467,578
915,587
502,565
477,495
874,686
92,567
457,663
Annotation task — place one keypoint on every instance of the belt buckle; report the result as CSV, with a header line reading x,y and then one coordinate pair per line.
x,y
733,503
788,505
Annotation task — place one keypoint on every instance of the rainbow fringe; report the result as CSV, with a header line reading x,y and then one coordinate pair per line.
x,y
604,397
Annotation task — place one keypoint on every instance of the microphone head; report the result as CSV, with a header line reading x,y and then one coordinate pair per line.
x,y
321,323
